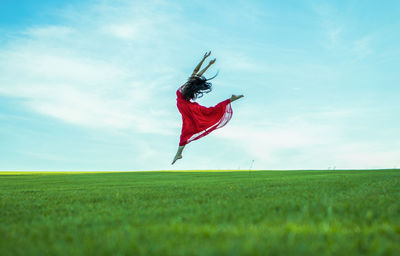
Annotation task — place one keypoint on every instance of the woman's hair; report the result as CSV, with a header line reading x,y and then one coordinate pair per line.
x,y
196,86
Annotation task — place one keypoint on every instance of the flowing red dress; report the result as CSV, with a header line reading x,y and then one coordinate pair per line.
x,y
198,121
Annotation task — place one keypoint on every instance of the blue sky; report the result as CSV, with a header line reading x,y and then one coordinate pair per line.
x,y
90,85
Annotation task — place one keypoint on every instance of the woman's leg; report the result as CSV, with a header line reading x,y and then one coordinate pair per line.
x,y
178,154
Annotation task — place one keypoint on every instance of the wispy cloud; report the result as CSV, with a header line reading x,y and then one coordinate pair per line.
x,y
338,35
316,140
63,72
113,67
362,47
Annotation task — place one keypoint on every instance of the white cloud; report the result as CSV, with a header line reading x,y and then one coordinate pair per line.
x,y
50,31
367,155
311,140
123,31
362,47
68,72
115,66
334,36
271,144
338,36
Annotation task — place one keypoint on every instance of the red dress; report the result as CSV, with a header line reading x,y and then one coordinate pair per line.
x,y
198,121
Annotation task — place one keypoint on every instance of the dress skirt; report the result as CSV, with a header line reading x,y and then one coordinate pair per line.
x,y
198,121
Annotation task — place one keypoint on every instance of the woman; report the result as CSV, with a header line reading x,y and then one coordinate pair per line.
x,y
198,121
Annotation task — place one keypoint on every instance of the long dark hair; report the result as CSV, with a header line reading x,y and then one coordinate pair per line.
x,y
196,86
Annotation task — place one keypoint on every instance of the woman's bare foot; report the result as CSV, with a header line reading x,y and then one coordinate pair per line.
x,y
176,158
236,97
178,154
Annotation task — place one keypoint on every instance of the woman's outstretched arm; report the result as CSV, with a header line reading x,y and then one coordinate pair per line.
x,y
197,68
205,69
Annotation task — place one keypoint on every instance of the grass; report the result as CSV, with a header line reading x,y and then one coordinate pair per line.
x,y
201,213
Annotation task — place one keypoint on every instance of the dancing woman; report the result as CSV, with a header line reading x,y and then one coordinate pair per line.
x,y
197,120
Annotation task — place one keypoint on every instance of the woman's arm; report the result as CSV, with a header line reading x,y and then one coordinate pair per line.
x,y
197,68
205,69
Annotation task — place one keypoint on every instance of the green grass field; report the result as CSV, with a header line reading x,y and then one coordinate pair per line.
x,y
201,213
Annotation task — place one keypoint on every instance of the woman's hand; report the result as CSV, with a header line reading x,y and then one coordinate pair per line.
x,y
197,68
207,54
205,69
